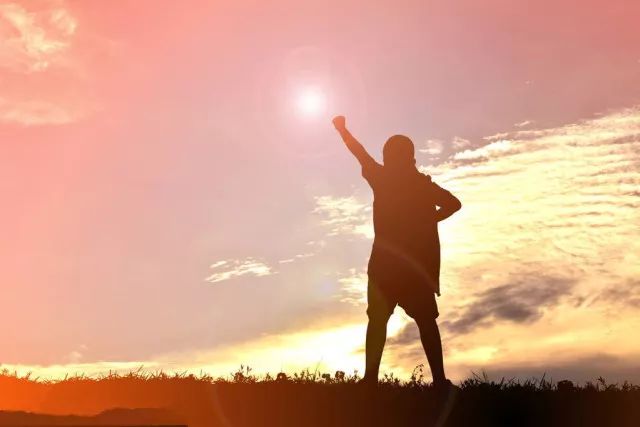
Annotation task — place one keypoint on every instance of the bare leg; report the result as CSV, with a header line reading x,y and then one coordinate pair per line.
x,y
430,336
376,337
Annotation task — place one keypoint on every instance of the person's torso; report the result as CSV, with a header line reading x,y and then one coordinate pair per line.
x,y
404,213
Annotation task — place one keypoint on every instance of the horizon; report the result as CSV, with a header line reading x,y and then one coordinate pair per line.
x,y
175,195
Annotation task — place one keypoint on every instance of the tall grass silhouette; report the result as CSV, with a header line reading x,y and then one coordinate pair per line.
x,y
313,398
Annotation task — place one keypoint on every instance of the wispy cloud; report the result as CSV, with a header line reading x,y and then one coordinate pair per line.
x,y
503,146
354,287
34,40
459,143
230,269
37,112
432,147
44,65
296,257
523,123
345,215
625,294
437,149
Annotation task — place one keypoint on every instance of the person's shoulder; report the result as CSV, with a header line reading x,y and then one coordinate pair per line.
x,y
372,171
429,183
425,179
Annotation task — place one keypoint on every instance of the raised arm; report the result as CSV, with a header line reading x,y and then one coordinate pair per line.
x,y
352,144
447,202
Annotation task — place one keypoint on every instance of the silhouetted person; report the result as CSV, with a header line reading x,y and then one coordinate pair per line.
x,y
404,267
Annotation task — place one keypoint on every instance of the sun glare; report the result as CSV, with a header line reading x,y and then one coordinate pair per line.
x,y
311,102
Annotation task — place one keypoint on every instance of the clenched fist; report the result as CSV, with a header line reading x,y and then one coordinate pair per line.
x,y
339,122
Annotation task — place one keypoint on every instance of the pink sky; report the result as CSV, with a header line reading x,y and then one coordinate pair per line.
x,y
144,142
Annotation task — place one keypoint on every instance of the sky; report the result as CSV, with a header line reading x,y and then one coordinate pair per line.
x,y
174,195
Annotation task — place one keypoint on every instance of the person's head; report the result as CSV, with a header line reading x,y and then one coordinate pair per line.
x,y
398,152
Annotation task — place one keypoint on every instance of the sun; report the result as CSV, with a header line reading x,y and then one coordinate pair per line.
x,y
311,102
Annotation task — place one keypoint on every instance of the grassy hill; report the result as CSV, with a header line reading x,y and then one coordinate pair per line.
x,y
311,399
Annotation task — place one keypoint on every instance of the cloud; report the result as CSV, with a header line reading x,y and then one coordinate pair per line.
x,y
520,302
503,146
77,355
296,257
459,143
229,269
437,148
345,215
621,294
45,65
523,123
33,41
432,147
354,287
37,112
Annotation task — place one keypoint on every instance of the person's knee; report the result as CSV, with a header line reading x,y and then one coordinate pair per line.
x,y
378,319
427,325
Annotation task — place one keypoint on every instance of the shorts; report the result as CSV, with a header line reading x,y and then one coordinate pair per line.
x,y
419,302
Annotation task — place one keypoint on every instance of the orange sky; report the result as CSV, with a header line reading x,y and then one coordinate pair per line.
x,y
165,203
